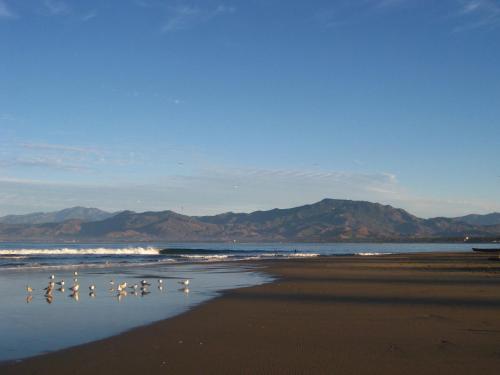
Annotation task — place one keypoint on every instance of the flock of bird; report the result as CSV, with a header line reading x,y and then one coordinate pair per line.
x,y
141,288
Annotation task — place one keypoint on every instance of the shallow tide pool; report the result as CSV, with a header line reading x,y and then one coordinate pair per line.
x,y
35,324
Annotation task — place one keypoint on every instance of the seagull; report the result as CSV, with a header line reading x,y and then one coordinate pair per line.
x,y
75,295
160,281
61,289
75,280
135,286
92,295
61,283
112,282
122,286
49,287
92,287
145,283
29,289
184,282
75,273
185,290
52,277
75,288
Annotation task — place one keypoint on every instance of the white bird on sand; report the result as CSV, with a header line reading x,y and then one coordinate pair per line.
x,y
184,282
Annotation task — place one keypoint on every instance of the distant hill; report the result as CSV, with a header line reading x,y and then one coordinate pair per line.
x,y
329,220
79,213
474,219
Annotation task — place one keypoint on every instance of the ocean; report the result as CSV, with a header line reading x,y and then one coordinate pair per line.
x,y
69,255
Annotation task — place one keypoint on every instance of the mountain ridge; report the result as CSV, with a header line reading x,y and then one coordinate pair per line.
x,y
477,219
329,220
77,212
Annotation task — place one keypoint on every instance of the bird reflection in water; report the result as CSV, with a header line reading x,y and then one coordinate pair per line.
x,y
120,296
75,295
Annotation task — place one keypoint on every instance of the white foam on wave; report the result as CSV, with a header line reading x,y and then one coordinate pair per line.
x,y
84,251
205,257
284,255
371,254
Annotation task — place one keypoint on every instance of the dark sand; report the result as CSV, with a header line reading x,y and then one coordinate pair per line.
x,y
397,314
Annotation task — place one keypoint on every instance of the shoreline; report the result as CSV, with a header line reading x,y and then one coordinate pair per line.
x,y
401,312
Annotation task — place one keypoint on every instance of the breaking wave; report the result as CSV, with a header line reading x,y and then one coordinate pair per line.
x,y
83,251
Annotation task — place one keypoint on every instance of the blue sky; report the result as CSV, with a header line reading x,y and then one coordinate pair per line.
x,y
210,106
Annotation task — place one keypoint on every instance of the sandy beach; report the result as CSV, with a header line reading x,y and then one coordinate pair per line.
x,y
394,314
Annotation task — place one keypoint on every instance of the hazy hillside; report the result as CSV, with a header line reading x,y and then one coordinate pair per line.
x,y
474,219
80,213
327,220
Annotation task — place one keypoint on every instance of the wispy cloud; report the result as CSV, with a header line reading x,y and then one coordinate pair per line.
x,y
88,16
56,7
344,12
44,162
216,190
185,17
57,147
475,14
5,11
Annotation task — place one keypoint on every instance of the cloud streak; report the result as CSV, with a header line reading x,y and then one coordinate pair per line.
x,y
477,14
57,147
5,11
216,190
185,17
56,7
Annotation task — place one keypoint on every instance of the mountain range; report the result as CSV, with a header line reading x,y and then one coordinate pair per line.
x,y
330,220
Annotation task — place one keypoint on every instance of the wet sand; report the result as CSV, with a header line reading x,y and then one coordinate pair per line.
x,y
395,314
